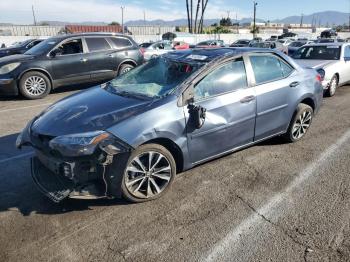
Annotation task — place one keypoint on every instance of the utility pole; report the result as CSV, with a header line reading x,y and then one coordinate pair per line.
x,y
33,15
301,20
122,8
254,23
144,16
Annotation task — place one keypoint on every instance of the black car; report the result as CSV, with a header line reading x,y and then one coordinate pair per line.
x,y
83,59
20,47
287,35
241,43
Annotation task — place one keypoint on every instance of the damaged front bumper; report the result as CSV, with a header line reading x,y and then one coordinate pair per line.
x,y
90,176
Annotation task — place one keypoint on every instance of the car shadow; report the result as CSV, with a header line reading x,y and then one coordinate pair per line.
x,y
19,193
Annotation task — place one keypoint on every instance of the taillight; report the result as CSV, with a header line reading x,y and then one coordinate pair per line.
x,y
321,74
142,51
318,78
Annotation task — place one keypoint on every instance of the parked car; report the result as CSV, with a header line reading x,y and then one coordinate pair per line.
x,y
332,61
288,35
330,40
156,49
131,136
285,41
241,43
68,60
20,47
211,44
145,45
294,46
330,33
180,45
270,45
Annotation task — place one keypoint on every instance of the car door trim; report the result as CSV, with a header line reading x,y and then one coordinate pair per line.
x,y
272,110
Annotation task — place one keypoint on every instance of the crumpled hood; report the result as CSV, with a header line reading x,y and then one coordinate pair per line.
x,y
316,64
15,58
91,110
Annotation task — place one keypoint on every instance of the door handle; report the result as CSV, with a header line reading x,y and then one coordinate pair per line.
x,y
294,84
247,99
83,60
111,55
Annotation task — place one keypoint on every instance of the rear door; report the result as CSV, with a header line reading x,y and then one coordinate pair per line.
x,y
100,58
230,117
70,65
274,82
344,67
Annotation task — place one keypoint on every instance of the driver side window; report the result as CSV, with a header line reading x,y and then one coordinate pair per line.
x,y
71,47
227,78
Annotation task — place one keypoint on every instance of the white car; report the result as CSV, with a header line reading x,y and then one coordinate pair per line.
x,y
157,49
332,62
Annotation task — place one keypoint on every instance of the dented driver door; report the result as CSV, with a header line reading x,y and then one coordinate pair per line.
x,y
230,112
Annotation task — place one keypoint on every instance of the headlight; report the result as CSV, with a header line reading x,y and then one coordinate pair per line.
x,y
79,144
8,68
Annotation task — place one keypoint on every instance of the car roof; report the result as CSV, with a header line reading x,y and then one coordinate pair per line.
x,y
328,44
65,36
207,55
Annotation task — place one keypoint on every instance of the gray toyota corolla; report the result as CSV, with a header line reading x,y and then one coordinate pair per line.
x,y
130,137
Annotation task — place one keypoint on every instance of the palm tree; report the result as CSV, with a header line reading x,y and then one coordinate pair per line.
x,y
195,20
201,21
188,16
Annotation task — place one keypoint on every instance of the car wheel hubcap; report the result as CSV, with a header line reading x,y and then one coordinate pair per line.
x,y
35,85
147,175
302,124
125,70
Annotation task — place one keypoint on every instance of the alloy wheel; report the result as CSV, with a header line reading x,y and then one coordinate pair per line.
x,y
302,124
147,175
333,86
35,85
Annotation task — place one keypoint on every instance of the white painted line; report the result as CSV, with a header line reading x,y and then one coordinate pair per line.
x,y
16,157
26,107
227,243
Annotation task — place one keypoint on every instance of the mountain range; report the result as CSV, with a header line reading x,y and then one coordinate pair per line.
x,y
325,18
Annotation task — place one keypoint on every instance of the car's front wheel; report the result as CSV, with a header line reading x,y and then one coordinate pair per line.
x,y
34,85
300,123
149,173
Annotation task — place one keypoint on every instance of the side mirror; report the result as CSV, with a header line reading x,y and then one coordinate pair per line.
x,y
197,115
346,59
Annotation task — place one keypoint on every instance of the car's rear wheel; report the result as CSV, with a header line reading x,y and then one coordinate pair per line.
x,y
300,123
149,173
34,85
125,68
333,85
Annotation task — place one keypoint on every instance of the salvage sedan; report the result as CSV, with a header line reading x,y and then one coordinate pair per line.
x,y
332,61
130,137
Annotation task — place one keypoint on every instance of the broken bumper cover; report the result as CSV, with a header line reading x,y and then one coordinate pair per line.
x,y
54,186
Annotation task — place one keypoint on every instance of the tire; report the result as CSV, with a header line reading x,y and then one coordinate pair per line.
x,y
124,68
333,85
143,186
34,85
302,118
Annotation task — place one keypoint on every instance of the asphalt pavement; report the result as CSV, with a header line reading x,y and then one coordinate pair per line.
x,y
271,202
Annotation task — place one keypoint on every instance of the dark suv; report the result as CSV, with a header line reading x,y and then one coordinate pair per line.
x,y
20,47
83,59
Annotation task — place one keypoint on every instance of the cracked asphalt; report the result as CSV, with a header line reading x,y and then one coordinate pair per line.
x,y
270,202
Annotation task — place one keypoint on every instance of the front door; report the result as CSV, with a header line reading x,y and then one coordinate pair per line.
x,y
70,65
230,115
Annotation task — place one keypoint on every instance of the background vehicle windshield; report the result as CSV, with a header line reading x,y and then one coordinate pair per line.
x,y
20,44
157,78
318,53
42,47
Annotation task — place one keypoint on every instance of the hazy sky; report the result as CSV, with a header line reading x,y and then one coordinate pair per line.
x,y
19,11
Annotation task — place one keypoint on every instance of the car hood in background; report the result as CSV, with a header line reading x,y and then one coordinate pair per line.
x,y
91,110
314,63
15,58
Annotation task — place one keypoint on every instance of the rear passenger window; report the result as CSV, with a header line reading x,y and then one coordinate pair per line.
x,y
268,68
227,78
121,42
97,44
